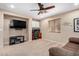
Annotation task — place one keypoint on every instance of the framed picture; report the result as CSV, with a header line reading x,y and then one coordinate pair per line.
x,y
76,25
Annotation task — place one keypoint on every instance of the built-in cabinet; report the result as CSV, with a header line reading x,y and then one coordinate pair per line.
x,y
9,32
6,32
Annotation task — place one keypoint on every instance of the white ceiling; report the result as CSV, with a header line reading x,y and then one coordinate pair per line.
x,y
24,9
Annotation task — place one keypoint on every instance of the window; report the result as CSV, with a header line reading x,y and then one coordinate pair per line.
x,y
35,24
54,25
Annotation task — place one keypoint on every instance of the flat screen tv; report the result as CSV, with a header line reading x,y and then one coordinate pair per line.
x,y
17,24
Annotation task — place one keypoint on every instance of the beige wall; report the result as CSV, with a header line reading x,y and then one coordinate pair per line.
x,y
30,29
1,29
66,30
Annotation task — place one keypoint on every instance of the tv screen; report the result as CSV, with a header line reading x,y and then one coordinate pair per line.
x,y
18,24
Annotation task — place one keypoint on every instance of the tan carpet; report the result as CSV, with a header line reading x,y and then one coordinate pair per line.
x,y
33,48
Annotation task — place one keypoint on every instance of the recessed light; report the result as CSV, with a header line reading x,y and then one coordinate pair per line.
x,y
12,6
76,4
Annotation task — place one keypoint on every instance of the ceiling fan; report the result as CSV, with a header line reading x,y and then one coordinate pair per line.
x,y
42,9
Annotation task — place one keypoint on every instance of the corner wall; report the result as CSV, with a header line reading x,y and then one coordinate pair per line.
x,y
66,30
1,29
30,29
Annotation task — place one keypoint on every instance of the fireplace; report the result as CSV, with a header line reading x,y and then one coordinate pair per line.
x,y
16,40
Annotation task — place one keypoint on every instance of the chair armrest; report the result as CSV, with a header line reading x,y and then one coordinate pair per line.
x,y
57,51
77,53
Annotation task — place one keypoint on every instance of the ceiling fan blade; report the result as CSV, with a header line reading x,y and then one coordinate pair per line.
x,y
49,7
40,6
39,13
35,10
